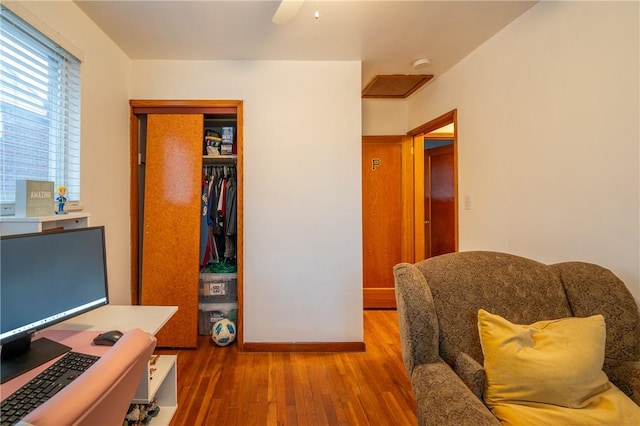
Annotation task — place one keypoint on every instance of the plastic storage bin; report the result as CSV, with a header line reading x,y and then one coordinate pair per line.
x,y
209,313
218,288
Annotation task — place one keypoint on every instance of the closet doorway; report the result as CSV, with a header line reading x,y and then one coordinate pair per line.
x,y
436,187
167,157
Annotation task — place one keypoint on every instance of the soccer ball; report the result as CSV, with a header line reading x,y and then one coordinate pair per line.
x,y
223,332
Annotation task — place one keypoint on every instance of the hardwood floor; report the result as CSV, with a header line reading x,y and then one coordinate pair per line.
x,y
221,386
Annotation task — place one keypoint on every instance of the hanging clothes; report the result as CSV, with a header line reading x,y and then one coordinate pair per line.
x,y
231,221
219,223
204,223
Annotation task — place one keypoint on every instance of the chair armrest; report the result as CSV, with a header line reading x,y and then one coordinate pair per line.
x,y
442,399
625,375
592,289
471,373
102,394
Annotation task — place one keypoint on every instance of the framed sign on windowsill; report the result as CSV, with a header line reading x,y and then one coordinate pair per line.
x,y
34,198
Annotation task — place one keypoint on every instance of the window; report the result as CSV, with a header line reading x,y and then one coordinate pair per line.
x,y
39,110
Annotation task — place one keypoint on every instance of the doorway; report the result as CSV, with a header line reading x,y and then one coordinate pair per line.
x,y
397,172
436,183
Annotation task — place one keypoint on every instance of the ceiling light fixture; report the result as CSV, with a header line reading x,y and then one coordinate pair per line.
x,y
420,63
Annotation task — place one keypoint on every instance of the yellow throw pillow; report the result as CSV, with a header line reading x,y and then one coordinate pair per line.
x,y
555,362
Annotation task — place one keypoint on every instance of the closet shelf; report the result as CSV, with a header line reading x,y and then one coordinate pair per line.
x,y
219,159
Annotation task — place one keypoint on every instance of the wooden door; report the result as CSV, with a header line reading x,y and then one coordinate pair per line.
x,y
439,204
171,225
386,215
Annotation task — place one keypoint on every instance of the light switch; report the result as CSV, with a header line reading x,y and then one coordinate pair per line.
x,y
467,202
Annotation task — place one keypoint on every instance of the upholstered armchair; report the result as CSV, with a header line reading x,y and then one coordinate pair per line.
x,y
438,301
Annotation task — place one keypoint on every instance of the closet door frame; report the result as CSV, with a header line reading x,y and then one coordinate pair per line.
x,y
142,107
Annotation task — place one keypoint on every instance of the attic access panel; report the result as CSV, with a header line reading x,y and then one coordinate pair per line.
x,y
395,85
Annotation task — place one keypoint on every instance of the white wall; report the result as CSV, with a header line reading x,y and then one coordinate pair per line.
x,y
106,78
549,142
382,117
302,188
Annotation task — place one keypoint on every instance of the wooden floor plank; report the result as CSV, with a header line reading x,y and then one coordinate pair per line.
x,y
221,386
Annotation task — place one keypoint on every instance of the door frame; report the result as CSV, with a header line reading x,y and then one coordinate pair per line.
x,y
159,106
418,134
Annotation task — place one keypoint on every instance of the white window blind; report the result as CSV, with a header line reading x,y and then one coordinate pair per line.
x,y
39,109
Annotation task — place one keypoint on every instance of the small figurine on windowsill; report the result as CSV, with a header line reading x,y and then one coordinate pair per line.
x,y
61,199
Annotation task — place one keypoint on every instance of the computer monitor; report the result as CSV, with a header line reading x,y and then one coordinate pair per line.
x,y
46,278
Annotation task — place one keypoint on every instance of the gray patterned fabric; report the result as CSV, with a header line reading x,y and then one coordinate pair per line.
x,y
471,373
626,375
419,326
591,290
442,398
438,301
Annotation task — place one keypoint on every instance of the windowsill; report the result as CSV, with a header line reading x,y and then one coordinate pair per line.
x,y
69,207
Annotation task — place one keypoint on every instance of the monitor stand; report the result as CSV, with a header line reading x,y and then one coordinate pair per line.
x,y
23,356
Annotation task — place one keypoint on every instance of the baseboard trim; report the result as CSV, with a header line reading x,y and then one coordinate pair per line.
x,y
304,347
379,298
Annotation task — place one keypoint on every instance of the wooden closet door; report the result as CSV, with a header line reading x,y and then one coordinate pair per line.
x,y
171,228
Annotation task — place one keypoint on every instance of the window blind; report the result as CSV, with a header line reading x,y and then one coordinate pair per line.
x,y
39,109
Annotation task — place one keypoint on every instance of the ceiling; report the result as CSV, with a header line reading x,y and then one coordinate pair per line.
x,y
387,36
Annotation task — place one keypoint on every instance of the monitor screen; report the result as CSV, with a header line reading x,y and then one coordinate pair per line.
x,y
46,278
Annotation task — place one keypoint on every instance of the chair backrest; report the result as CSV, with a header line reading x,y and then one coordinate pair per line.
x,y
103,393
520,289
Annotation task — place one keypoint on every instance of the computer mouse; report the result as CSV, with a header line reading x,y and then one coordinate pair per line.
x,y
108,338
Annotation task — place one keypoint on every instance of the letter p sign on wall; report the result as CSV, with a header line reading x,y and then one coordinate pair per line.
x,y
375,163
